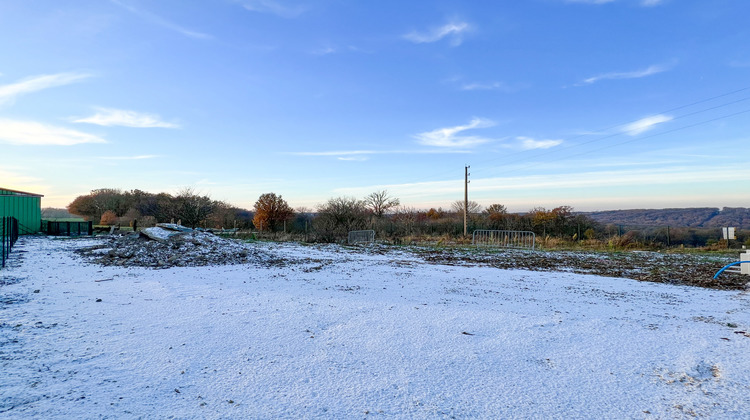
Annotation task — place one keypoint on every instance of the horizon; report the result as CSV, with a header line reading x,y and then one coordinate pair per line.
x,y
600,105
447,208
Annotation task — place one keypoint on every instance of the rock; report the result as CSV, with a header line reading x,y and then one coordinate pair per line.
x,y
158,233
174,227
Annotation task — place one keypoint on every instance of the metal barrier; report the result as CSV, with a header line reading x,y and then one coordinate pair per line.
x,y
67,228
504,238
8,237
361,236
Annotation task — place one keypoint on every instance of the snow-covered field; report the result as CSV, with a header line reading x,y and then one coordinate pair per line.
x,y
330,332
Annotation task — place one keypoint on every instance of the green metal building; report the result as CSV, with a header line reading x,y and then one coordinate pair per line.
x,y
24,206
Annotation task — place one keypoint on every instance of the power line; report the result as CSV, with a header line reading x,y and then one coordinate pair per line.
x,y
557,150
620,133
634,140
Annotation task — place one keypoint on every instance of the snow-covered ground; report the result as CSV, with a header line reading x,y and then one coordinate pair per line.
x,y
336,333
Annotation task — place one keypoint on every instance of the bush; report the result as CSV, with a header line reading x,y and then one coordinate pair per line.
x,y
338,216
108,218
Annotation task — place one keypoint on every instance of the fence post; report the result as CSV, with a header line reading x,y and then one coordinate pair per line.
x,y
668,238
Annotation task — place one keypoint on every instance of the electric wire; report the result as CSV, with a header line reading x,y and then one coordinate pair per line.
x,y
620,133
629,141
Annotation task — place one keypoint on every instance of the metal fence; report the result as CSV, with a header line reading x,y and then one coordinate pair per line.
x,y
504,238
67,228
8,237
361,237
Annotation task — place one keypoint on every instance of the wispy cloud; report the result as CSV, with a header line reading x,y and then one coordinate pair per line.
x,y
33,133
344,155
353,158
651,70
644,3
645,124
674,175
363,154
453,31
324,51
590,1
274,7
206,181
158,20
528,143
487,86
739,63
118,117
8,93
328,49
338,153
140,157
448,137
10,179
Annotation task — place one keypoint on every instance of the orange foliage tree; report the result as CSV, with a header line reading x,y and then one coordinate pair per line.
x,y
108,218
271,211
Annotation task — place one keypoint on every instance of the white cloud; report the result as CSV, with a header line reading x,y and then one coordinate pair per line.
x,y
140,157
10,179
626,75
447,137
453,30
527,143
324,51
33,133
362,154
118,117
590,1
353,158
163,22
338,153
675,175
487,86
206,181
644,3
274,7
645,124
328,49
8,93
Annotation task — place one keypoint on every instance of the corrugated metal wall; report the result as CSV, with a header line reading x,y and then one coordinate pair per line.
x,y
26,208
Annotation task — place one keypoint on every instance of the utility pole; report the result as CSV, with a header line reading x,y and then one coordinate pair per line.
x,y
466,198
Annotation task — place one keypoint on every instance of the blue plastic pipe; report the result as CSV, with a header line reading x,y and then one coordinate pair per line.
x,y
729,265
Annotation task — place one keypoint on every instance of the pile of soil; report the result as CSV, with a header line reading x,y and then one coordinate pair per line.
x,y
164,247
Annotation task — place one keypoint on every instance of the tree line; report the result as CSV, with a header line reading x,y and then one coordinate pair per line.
x,y
328,222
110,206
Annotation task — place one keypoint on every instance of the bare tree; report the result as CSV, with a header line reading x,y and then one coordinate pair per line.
x,y
338,216
458,207
496,212
379,202
192,208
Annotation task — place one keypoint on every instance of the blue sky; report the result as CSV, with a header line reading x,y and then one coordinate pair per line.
x,y
597,104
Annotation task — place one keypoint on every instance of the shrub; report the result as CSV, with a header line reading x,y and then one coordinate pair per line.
x,y
338,216
108,218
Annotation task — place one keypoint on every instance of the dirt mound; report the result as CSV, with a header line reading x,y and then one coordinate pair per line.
x,y
166,246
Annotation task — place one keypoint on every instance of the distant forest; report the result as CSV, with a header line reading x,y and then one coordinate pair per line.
x,y
706,217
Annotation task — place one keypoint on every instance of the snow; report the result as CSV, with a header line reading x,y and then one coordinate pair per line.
x,y
339,333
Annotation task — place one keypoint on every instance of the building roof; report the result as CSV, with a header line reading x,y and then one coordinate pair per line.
x,y
17,193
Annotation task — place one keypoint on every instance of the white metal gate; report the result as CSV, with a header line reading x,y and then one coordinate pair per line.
x,y
504,238
361,237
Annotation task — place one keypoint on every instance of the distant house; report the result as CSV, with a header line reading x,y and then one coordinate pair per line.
x,y
24,206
